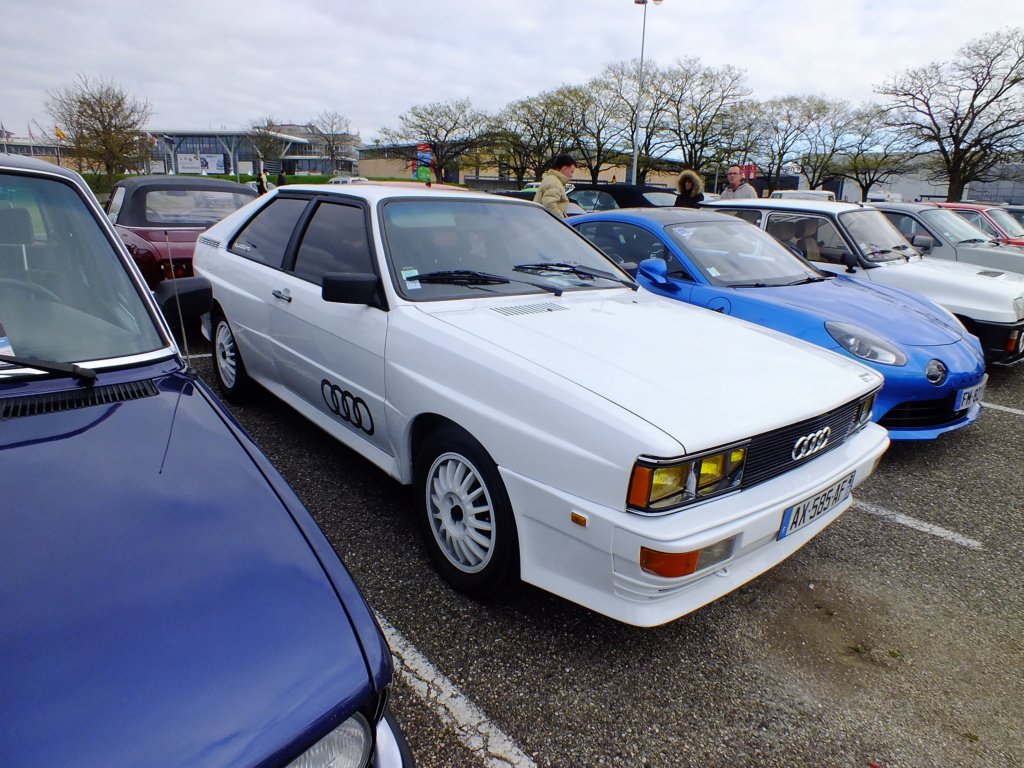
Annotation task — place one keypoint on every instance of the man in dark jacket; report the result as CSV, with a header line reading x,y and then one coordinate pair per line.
x,y
281,178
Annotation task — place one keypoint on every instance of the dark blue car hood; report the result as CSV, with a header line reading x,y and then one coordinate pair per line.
x,y
159,605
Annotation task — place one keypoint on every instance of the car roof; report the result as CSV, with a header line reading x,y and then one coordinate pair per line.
x,y
373,191
969,206
908,207
22,163
160,181
788,204
665,216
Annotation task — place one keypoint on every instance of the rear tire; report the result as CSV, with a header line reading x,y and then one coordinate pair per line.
x,y
228,368
465,515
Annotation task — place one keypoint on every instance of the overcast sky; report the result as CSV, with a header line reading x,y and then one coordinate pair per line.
x,y
224,63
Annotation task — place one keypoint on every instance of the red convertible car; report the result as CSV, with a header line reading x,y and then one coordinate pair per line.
x,y
160,218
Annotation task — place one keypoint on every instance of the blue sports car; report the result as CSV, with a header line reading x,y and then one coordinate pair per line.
x,y
934,369
165,598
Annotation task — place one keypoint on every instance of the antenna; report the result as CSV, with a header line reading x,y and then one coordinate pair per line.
x,y
177,300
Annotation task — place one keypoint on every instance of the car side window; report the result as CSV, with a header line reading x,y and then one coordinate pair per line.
x,y
114,205
907,225
335,241
753,216
627,242
265,238
817,239
593,200
980,222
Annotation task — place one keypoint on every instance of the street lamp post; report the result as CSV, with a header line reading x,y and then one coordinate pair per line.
x,y
640,89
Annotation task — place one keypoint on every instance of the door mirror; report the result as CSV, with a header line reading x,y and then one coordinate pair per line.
x,y
850,261
656,270
350,288
924,242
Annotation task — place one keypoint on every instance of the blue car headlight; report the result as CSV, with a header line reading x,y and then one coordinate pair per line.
x,y
865,345
350,745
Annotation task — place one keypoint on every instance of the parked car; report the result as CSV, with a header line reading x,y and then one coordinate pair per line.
x,y
255,186
606,197
804,194
166,598
860,241
944,234
159,218
1017,211
475,347
934,370
991,219
346,179
571,209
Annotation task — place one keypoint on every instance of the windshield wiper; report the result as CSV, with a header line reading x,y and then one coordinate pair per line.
x,y
85,375
973,240
808,279
751,285
470,277
576,269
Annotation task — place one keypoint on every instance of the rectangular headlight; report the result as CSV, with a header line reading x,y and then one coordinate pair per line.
x,y
1018,307
660,486
865,411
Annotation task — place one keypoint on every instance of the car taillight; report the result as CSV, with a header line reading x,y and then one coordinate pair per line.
x,y
177,269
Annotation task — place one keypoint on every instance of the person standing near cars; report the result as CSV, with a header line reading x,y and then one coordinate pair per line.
x,y
690,187
551,192
281,178
261,182
737,188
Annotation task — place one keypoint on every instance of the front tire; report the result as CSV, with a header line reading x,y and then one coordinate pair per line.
x,y
465,515
229,370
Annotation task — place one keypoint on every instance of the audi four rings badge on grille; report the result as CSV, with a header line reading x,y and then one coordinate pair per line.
x,y
347,406
808,445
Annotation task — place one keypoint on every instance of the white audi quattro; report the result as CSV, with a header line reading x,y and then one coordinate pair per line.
x,y
633,454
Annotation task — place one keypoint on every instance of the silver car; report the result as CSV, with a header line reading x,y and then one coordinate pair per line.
x,y
952,236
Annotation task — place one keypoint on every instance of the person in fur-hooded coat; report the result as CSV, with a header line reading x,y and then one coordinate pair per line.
x,y
690,187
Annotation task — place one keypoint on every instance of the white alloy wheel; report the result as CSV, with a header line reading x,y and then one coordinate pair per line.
x,y
461,512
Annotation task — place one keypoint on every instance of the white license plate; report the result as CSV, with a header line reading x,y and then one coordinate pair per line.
x,y
965,398
809,510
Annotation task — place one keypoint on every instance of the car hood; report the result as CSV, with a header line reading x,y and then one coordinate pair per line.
x,y
694,374
159,603
890,313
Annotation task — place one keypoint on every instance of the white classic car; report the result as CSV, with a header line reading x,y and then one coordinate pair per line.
x,y
630,453
860,241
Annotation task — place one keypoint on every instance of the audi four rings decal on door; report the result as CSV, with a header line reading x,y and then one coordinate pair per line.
x,y
808,445
347,406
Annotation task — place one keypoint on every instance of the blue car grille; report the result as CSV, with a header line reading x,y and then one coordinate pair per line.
x,y
770,454
922,413
53,402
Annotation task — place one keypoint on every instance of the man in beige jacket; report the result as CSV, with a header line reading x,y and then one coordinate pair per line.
x,y
551,192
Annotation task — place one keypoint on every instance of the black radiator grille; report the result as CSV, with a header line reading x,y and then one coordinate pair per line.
x,y
922,413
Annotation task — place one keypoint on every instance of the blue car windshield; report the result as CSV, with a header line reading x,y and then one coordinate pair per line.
x,y
445,248
734,253
65,294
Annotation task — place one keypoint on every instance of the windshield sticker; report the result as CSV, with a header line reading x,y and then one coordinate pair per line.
x,y
410,272
5,343
713,272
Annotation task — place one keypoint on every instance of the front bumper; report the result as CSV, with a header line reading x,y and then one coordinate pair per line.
x,y
598,564
1003,343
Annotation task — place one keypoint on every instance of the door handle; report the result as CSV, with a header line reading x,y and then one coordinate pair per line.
x,y
281,295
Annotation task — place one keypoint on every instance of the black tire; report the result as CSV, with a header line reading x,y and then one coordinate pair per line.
x,y
481,558
228,368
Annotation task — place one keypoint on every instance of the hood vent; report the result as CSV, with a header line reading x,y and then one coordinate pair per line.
x,y
990,273
209,241
53,402
530,309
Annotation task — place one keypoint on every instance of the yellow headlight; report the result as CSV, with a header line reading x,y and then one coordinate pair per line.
x,y
669,481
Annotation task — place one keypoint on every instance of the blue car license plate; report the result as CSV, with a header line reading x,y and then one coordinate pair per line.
x,y
809,510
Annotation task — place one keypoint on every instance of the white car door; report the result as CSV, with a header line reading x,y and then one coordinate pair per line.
x,y
330,356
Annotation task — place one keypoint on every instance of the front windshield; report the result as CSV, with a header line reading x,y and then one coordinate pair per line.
x,y
1010,226
878,238
953,226
65,296
454,249
734,253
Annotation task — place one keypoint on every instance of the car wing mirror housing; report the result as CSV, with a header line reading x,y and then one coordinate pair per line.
x,y
351,288
851,261
924,242
194,296
656,270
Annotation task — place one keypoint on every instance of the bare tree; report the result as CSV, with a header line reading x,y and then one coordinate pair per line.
x,y
966,114
641,113
104,123
592,119
332,128
825,126
775,136
875,154
264,140
698,103
451,129
530,132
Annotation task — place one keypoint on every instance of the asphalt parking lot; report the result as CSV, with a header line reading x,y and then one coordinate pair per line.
x,y
894,639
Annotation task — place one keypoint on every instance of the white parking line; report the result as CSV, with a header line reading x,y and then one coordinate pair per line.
x,y
478,734
1002,408
203,354
918,525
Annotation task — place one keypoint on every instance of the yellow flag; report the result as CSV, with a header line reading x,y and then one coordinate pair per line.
x,y
59,132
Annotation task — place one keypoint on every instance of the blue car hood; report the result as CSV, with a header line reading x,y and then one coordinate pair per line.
x,y
159,605
891,313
